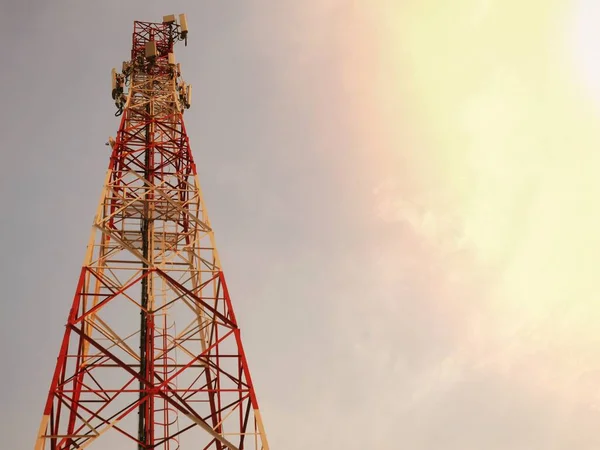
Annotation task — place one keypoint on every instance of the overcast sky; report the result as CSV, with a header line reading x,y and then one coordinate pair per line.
x,y
404,194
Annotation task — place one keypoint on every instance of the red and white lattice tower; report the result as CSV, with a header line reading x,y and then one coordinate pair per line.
x,y
152,356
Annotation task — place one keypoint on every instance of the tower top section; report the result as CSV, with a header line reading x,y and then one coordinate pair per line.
x,y
153,57
155,41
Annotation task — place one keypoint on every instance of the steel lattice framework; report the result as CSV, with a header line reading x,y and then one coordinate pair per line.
x,y
152,354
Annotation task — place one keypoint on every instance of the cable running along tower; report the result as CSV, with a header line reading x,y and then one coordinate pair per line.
x,y
152,356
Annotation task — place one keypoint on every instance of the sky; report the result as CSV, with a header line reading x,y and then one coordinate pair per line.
x,y
403,195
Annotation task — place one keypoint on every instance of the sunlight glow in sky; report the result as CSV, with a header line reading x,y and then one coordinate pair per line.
x,y
508,95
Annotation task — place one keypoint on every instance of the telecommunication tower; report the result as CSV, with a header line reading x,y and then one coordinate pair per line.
x,y
152,356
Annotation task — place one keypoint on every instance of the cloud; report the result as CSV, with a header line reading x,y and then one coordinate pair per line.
x,y
438,229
